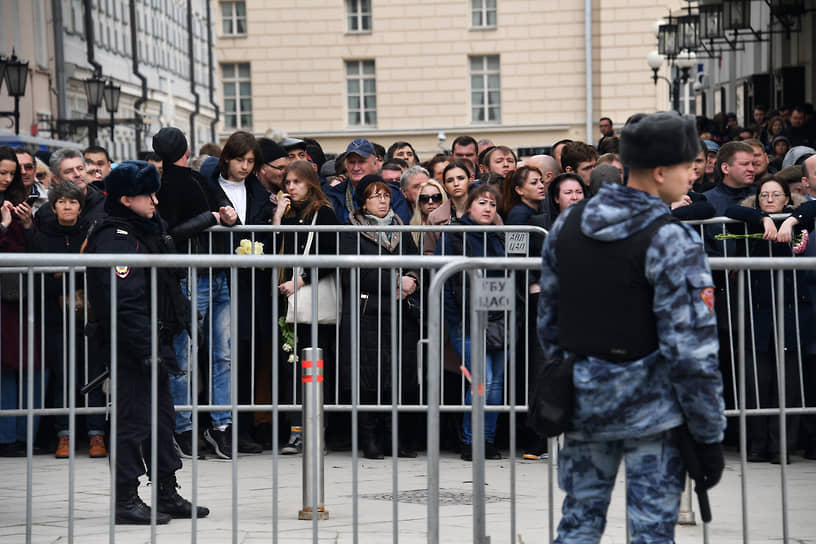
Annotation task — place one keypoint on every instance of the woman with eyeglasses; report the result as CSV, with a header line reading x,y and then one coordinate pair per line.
x,y
382,291
431,196
785,237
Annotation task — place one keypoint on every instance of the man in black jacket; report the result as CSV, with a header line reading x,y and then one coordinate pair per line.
x,y
134,226
183,203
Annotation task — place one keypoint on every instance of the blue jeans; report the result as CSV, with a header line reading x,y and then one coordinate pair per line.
x,y
655,477
219,344
494,383
13,429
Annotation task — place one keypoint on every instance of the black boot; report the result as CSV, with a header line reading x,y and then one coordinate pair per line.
x,y
369,440
173,504
130,510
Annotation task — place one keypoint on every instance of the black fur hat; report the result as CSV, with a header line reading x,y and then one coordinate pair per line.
x,y
132,178
359,196
659,139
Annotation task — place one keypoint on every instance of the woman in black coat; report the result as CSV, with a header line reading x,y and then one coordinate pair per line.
x,y
380,289
779,237
304,203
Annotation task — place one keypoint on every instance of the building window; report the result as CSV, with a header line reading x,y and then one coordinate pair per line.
x,y
233,18
485,89
362,93
483,13
237,95
359,15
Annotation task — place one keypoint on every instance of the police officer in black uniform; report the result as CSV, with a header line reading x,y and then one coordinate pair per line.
x,y
133,226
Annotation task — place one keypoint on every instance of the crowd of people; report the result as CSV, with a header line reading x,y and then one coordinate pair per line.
x,y
169,201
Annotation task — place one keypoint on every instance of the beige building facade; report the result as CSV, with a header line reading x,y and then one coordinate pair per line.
x,y
426,71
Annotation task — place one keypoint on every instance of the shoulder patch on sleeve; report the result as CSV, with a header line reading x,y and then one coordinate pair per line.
x,y
122,271
707,295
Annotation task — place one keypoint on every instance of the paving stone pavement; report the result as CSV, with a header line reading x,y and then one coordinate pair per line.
x,y
256,481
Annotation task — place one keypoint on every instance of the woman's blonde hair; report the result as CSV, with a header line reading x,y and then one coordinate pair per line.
x,y
416,219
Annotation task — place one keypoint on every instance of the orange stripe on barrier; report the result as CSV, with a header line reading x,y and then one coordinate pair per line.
x,y
320,364
308,364
306,379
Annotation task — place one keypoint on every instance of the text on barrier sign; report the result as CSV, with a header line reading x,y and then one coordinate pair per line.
x,y
494,294
515,243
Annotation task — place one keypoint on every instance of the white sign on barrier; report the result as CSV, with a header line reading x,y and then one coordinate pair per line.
x,y
494,294
516,243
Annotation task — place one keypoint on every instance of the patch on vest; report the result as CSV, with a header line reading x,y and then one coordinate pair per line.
x,y
122,271
707,295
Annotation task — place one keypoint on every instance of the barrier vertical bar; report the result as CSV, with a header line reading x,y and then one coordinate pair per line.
x,y
743,424
114,381
477,388
234,395
354,305
396,298
71,413
192,388
313,476
513,434
781,388
275,423
30,413
154,401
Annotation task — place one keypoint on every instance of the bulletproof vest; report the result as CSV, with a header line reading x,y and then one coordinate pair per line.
x,y
605,300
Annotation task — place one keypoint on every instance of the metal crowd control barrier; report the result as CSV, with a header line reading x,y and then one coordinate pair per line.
x,y
29,264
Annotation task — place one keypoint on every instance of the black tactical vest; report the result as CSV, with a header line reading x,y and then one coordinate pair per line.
x,y
605,300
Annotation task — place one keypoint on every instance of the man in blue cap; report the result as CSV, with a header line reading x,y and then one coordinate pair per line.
x,y
134,226
361,161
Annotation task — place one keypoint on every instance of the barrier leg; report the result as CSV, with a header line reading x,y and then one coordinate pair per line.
x,y
312,384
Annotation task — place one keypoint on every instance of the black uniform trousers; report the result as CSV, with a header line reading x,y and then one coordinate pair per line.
x,y
133,424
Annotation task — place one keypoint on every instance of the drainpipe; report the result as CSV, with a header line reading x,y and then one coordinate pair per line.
x,y
97,68
59,65
190,44
134,50
210,70
588,53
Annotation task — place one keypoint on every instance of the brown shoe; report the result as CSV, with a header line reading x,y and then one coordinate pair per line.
x,y
63,447
97,446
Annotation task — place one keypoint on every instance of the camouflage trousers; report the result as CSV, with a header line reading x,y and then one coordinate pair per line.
x,y
655,477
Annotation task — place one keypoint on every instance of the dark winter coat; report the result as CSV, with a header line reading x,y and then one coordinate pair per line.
x,y
184,206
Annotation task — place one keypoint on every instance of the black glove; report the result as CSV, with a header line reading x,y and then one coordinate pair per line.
x,y
712,464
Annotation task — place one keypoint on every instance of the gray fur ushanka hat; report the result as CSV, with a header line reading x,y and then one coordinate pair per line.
x,y
658,139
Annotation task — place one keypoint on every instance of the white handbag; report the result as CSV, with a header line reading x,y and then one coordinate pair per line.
x,y
327,295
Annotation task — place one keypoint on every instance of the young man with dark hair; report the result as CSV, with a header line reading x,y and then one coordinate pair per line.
x,y
557,148
579,158
645,372
236,193
97,158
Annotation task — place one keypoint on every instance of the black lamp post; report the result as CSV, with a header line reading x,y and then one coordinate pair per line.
x,y
94,87
15,73
667,40
111,95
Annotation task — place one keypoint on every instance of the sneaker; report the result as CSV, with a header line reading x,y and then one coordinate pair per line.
x,y
247,445
63,447
220,442
532,456
183,442
294,446
96,446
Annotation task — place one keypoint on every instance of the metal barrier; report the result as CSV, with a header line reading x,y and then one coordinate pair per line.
x,y
30,264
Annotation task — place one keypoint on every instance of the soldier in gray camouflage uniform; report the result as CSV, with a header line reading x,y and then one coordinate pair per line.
x,y
627,398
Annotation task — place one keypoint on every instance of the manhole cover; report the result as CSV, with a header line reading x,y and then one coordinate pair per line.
x,y
446,496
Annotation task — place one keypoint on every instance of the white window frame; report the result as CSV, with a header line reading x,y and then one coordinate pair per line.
x,y
480,82
358,73
233,80
481,12
358,16
233,18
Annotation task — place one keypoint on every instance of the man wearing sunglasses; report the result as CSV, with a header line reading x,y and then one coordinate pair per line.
x,y
32,187
410,181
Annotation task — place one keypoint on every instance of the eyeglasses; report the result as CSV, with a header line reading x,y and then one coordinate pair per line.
x,y
29,166
380,196
278,168
774,196
437,197
40,175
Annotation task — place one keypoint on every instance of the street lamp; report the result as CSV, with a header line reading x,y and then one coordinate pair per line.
x,y
667,40
15,73
736,14
685,60
94,87
111,95
689,26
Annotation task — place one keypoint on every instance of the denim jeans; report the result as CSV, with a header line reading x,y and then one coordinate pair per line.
x,y
13,429
219,344
494,383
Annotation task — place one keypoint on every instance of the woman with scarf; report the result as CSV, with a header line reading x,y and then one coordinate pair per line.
x,y
302,202
481,207
382,291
